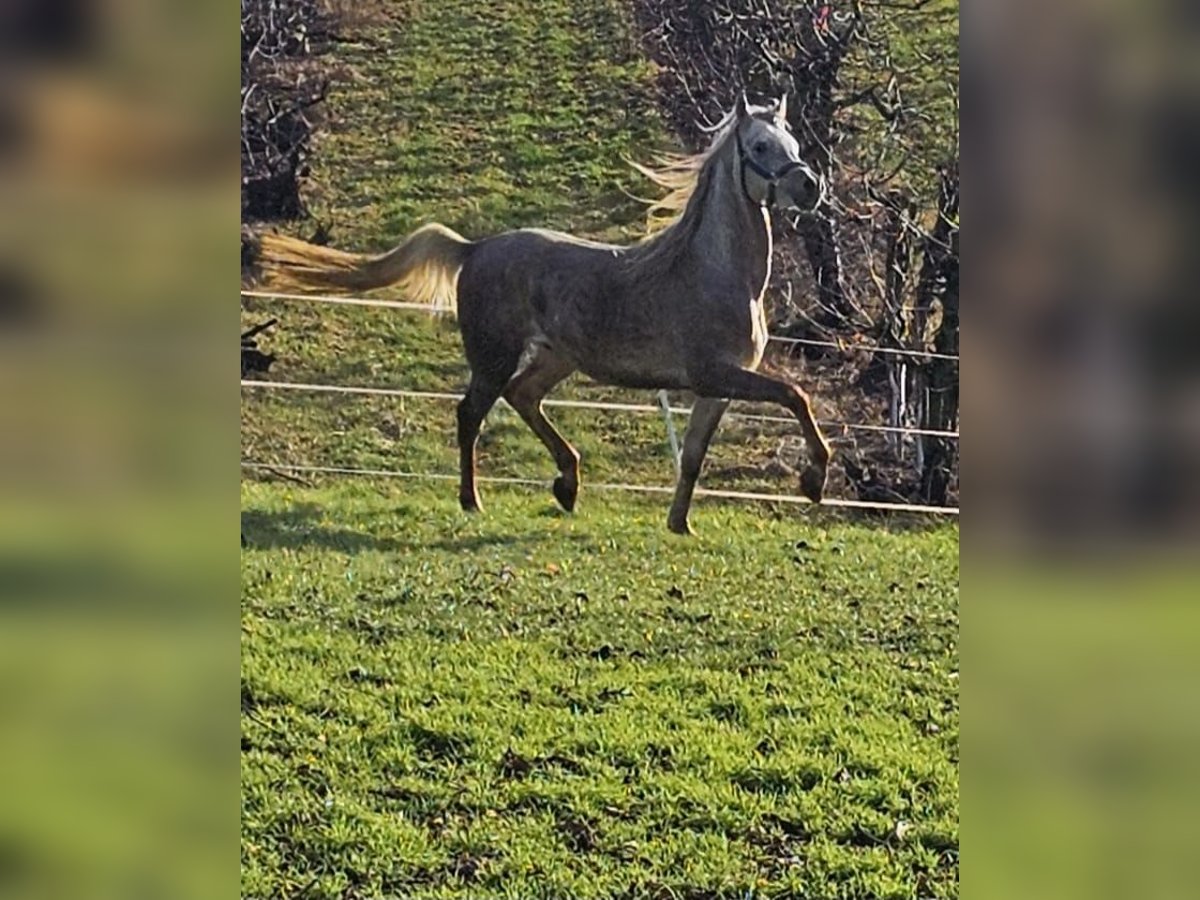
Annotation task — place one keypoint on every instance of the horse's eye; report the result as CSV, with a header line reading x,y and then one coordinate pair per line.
x,y
760,147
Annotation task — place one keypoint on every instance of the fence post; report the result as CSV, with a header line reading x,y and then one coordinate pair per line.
x,y
664,401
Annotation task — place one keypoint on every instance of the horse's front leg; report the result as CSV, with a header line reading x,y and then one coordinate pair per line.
x,y
743,384
702,424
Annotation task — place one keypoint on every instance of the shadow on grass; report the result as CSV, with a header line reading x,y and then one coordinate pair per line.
x,y
299,528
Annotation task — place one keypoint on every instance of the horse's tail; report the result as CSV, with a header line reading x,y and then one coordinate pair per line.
x,y
425,264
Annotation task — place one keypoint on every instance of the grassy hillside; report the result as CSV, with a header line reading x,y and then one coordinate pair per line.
x,y
486,116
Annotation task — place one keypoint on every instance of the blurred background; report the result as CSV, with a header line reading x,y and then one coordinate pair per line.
x,y
118,449
1083,122
1080,469
119,214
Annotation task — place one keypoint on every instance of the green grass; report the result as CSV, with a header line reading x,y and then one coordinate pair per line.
x,y
489,116
527,704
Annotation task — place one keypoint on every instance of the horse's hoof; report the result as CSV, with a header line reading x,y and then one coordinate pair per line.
x,y
564,494
470,505
680,527
812,483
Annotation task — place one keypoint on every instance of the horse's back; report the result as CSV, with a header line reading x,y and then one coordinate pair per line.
x,y
524,274
513,285
580,298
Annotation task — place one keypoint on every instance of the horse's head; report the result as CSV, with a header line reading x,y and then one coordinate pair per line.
x,y
768,158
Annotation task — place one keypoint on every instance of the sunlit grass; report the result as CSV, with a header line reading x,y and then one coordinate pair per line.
x,y
531,704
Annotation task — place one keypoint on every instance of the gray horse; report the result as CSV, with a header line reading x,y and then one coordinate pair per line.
x,y
682,310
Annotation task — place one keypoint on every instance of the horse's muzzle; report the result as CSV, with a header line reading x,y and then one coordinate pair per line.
x,y
800,191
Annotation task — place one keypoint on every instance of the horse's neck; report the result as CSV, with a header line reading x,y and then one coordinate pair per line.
x,y
734,232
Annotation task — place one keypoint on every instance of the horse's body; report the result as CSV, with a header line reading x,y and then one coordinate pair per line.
x,y
682,310
602,309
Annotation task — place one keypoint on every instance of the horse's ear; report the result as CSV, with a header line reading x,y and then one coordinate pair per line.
x,y
743,106
781,111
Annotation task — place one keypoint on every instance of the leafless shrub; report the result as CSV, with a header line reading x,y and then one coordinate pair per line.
x,y
280,87
873,102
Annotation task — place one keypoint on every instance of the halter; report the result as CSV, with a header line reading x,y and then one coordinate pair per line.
x,y
771,178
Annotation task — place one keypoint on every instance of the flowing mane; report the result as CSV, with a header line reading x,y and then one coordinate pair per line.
x,y
679,174
671,221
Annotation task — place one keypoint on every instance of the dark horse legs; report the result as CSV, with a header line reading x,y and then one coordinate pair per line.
x,y
716,385
482,394
524,392
702,425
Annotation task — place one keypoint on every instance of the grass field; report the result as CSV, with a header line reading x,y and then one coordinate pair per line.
x,y
527,704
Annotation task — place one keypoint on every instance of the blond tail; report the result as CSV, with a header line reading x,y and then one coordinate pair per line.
x,y
425,265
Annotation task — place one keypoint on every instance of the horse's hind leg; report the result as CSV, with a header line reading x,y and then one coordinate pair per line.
x,y
525,393
482,394
702,425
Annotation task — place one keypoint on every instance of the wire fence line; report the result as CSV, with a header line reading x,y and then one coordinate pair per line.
x,y
664,408
429,310
345,301
862,348
253,465
575,404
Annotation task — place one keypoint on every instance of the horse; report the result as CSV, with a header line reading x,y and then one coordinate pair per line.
x,y
681,309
